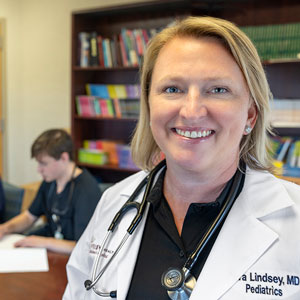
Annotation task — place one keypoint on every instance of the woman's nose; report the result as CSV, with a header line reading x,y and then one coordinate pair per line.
x,y
194,105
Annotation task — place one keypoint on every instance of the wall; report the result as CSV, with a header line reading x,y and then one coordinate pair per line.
x,y
37,75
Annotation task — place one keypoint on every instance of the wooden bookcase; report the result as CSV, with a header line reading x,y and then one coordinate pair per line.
x,y
283,75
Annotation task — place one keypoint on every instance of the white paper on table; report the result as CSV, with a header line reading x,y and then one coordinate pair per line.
x,y
23,260
8,241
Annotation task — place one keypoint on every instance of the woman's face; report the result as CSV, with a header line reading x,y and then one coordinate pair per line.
x,y
199,105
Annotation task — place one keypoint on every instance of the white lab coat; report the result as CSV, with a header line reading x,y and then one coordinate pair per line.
x,y
256,254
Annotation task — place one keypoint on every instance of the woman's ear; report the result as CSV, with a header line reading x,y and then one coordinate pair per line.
x,y
252,114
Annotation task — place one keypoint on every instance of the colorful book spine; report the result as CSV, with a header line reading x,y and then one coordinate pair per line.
x,y
85,105
107,151
124,49
286,153
110,91
100,51
99,90
84,49
94,56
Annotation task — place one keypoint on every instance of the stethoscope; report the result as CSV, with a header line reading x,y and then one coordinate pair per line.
x,y
56,213
179,283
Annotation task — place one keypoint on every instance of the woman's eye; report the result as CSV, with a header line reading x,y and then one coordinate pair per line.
x,y
219,90
172,89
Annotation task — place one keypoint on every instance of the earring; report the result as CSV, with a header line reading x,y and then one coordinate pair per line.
x,y
248,129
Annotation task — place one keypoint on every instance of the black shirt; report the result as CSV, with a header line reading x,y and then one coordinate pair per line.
x,y
162,247
84,200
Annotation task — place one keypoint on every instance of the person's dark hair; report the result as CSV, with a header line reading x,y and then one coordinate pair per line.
x,y
53,142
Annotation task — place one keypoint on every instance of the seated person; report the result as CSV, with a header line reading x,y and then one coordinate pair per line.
x,y
67,197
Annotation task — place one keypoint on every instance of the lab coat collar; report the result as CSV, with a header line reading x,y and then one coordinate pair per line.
x,y
244,238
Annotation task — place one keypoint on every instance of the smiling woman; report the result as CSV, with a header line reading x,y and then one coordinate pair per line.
x,y
199,107
214,215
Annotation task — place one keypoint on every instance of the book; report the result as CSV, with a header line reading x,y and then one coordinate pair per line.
x,y
130,108
97,107
111,91
285,112
117,51
107,91
84,49
94,57
123,51
117,108
103,107
99,90
276,41
120,91
107,53
110,108
110,147
284,149
85,105
100,51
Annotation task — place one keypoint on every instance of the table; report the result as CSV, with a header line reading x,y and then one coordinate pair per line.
x,y
36,285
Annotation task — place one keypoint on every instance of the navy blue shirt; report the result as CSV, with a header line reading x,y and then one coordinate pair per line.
x,y
84,200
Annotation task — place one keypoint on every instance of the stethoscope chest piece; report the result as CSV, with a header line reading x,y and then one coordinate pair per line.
x,y
178,285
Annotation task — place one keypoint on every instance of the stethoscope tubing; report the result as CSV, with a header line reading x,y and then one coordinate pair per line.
x,y
215,225
130,203
96,279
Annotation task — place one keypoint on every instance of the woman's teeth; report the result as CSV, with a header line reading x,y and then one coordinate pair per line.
x,y
194,134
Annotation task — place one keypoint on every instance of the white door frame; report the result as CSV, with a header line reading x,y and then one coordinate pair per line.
x,y
3,137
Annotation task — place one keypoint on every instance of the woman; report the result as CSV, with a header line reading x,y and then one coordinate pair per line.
x,y
205,96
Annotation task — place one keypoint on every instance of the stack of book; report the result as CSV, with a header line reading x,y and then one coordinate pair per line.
x,y
280,41
121,91
286,154
125,49
285,112
112,100
102,152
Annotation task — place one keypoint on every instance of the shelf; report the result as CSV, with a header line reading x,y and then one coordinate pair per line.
x,y
105,69
292,179
99,118
281,61
287,131
107,167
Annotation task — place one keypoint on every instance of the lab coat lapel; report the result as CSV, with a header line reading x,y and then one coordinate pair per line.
x,y
243,238
128,255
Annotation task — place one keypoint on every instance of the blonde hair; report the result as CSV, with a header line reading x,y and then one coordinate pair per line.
x,y
253,147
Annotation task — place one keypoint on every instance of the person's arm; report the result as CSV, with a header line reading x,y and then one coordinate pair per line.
x,y
50,243
18,224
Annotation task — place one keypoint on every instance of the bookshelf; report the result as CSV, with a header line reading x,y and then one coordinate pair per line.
x,y
282,74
